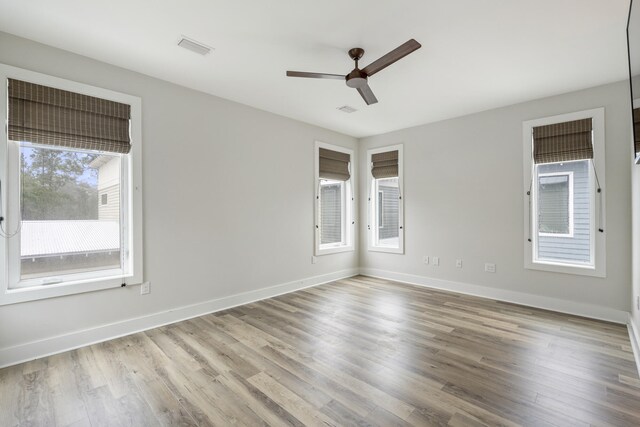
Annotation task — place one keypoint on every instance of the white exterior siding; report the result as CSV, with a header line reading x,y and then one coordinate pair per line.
x,y
109,185
111,210
576,248
331,213
390,212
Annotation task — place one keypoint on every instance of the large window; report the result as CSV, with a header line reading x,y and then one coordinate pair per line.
x,y
385,227
334,199
564,176
71,188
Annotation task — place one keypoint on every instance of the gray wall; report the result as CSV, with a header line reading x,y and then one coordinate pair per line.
x,y
463,199
212,228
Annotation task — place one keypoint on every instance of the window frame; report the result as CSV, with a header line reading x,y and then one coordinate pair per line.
x,y
131,186
372,220
348,207
597,268
380,202
569,175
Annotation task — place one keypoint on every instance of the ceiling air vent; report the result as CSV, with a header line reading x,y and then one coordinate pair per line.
x,y
347,109
194,46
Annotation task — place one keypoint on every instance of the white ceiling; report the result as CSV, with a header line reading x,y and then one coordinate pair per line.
x,y
475,55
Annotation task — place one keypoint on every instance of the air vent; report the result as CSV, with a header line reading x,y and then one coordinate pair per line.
x,y
194,46
347,109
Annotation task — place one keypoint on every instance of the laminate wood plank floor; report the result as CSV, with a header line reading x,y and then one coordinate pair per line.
x,y
359,351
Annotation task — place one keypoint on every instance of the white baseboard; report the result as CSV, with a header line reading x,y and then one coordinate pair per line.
x,y
634,336
530,300
61,343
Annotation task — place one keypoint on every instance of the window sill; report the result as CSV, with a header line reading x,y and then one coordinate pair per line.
x,y
575,269
334,250
33,293
386,250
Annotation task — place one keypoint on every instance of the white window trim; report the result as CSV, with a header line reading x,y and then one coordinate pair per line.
x,y
569,174
349,197
598,239
132,172
380,223
372,226
636,104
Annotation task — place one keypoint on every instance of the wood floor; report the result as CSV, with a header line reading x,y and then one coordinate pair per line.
x,y
360,352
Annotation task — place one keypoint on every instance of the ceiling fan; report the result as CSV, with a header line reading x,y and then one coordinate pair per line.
x,y
358,78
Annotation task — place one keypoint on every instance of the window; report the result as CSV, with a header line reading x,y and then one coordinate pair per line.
x,y
555,199
72,203
334,199
564,180
385,228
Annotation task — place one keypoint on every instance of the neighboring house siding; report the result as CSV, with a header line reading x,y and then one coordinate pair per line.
x,y
110,211
576,248
390,212
330,213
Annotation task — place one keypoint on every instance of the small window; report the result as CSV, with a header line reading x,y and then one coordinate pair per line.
x,y
564,211
555,201
331,213
104,199
334,199
385,201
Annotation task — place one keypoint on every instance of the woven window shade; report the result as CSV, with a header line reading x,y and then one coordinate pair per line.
x,y
45,115
334,165
385,165
636,129
563,142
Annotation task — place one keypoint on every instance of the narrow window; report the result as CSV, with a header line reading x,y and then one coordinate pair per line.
x,y
565,211
385,211
555,201
334,199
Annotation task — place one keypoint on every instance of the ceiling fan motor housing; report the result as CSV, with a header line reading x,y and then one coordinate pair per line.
x,y
356,79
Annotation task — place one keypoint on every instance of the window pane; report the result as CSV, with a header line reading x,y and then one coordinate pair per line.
x,y
70,211
553,204
331,201
564,211
388,213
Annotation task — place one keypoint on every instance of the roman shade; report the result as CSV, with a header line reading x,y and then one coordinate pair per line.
x,y
563,142
45,115
636,129
384,165
334,165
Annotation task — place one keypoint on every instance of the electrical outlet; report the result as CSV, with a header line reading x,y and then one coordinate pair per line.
x,y
425,259
436,260
145,288
490,267
459,263
314,260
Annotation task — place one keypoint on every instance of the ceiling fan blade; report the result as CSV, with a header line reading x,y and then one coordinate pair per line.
x,y
366,94
314,75
391,57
